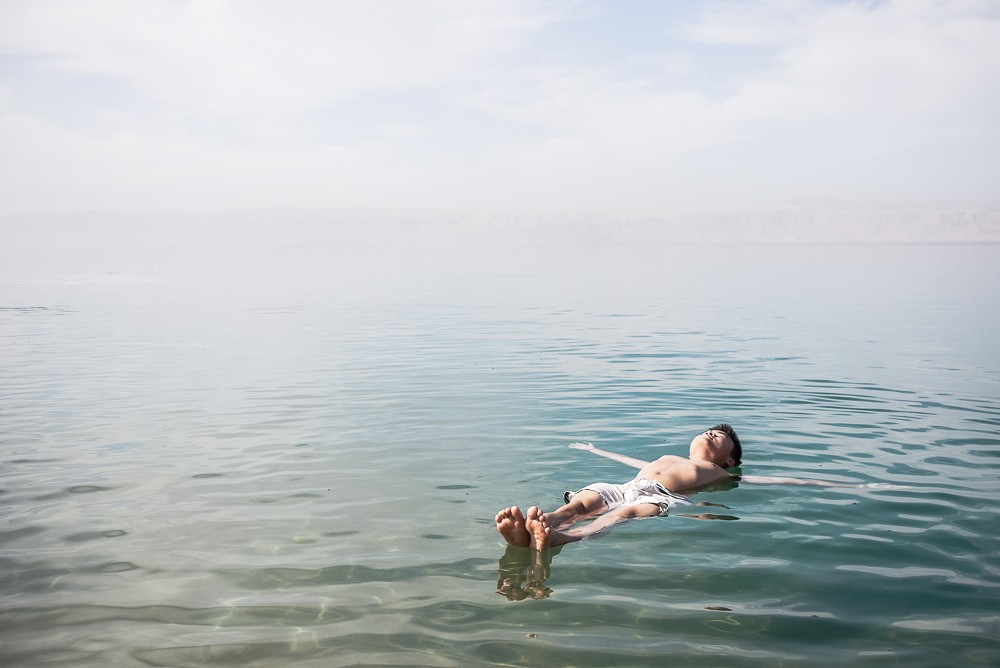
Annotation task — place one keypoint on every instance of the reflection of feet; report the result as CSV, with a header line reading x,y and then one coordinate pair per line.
x,y
510,524
523,572
539,531
536,574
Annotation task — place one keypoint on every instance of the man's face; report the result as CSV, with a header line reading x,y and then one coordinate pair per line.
x,y
713,446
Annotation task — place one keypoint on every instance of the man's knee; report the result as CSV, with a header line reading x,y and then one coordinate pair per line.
x,y
587,501
640,510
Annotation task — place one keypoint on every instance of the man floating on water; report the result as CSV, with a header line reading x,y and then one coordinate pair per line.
x,y
659,486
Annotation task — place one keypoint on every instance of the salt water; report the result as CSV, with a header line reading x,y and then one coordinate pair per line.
x,y
293,456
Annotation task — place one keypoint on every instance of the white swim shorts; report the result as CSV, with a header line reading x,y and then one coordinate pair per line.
x,y
634,492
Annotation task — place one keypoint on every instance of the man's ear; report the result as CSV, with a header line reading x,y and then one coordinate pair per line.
x,y
730,463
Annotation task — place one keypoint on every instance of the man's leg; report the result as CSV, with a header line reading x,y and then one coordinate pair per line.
x,y
511,524
543,536
586,503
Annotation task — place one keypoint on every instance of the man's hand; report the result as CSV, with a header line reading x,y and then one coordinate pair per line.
x,y
582,446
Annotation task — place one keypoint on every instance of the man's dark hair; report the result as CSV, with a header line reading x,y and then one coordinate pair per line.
x,y
728,430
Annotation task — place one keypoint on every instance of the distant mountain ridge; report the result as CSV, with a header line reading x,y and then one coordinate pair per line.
x,y
791,223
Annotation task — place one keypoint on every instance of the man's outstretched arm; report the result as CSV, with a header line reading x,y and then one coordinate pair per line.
x,y
589,447
767,480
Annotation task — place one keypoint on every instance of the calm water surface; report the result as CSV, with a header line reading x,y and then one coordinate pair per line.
x,y
293,457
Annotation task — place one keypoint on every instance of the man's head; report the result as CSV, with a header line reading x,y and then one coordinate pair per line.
x,y
719,445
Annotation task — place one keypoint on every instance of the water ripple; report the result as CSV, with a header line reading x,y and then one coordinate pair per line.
x,y
299,464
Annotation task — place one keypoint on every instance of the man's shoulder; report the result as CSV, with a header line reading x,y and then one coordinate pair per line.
x,y
673,459
695,467
698,464
709,472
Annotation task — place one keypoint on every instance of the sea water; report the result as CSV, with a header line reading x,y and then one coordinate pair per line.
x,y
293,456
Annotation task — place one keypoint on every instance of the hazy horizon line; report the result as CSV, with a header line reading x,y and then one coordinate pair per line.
x,y
830,223
985,205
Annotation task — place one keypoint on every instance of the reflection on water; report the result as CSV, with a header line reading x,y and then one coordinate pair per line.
x,y
245,461
522,573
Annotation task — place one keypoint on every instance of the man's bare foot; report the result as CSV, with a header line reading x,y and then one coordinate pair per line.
x,y
539,531
542,536
510,524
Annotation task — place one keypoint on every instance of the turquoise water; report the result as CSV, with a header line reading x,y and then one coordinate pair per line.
x,y
293,457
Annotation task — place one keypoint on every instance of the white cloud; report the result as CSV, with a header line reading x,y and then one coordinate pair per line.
x,y
878,83
141,104
244,58
901,60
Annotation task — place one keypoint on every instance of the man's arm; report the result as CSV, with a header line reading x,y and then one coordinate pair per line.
x,y
766,480
589,447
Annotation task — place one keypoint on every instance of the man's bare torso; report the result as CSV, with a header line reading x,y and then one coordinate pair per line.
x,y
679,474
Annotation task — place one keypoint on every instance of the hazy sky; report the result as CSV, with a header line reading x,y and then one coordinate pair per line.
x,y
514,105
